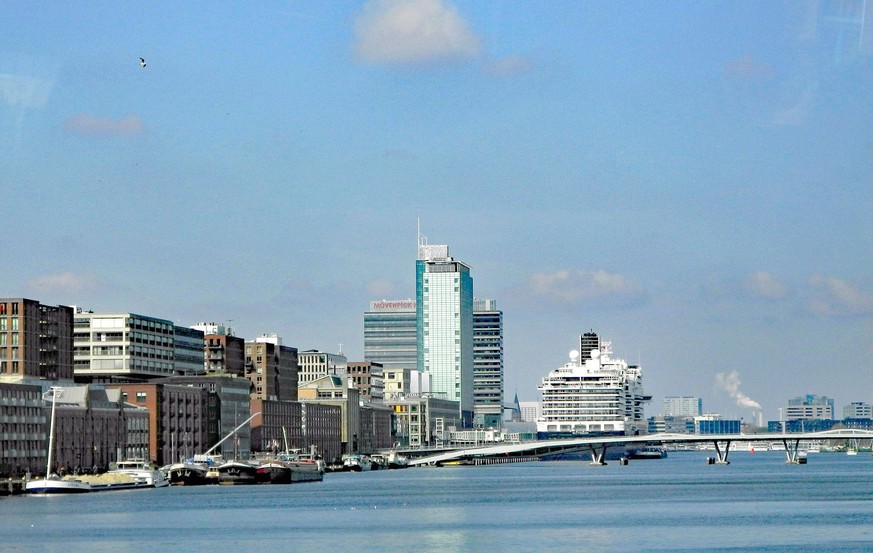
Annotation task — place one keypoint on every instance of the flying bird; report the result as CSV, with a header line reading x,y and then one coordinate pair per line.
x,y
142,62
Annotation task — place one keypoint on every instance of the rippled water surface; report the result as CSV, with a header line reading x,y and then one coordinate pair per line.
x,y
757,503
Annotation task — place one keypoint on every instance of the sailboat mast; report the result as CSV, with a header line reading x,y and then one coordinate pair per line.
x,y
51,447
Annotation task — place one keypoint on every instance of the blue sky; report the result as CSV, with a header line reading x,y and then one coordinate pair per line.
x,y
691,180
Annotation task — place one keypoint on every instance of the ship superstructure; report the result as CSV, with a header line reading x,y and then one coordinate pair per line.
x,y
595,395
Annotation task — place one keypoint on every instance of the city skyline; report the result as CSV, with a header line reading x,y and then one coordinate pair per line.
x,y
693,181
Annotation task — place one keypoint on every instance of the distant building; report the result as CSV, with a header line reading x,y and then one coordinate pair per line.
x,y
398,381
530,410
334,390
315,364
228,405
682,406
225,353
272,368
36,341
93,427
444,325
177,420
714,424
809,407
858,410
673,425
368,378
121,347
389,334
487,364
189,355
420,421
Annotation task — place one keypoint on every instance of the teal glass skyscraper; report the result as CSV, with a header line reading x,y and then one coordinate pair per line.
x,y
444,325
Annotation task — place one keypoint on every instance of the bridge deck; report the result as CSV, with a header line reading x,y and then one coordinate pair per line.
x,y
551,447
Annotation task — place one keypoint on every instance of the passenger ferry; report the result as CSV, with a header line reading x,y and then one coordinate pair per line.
x,y
595,395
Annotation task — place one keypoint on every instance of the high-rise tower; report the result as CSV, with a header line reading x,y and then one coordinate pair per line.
x,y
444,325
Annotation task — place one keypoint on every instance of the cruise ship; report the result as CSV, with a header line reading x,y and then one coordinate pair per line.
x,y
592,394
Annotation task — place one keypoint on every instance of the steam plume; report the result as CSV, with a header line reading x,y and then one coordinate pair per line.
x,y
730,383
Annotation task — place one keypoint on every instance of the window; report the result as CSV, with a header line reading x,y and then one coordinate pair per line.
x,y
140,397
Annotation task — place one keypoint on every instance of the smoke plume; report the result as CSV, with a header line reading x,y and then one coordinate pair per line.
x,y
730,383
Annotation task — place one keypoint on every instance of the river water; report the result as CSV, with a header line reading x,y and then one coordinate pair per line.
x,y
757,503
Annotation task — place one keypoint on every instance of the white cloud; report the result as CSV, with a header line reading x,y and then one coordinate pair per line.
x,y
587,287
63,283
381,289
413,32
130,125
833,296
508,66
765,285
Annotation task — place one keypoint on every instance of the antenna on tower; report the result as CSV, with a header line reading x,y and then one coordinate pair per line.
x,y
340,348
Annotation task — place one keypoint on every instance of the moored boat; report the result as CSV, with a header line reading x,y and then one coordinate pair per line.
x,y
56,485
356,463
237,472
141,472
274,472
52,483
187,474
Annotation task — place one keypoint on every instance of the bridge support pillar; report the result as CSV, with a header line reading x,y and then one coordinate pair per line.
x,y
598,457
792,452
722,455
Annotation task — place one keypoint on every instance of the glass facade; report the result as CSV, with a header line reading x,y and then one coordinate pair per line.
x,y
444,324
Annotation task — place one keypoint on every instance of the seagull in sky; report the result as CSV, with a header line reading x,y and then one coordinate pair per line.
x,y
142,62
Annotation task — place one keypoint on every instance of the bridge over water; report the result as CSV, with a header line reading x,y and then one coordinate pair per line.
x,y
597,446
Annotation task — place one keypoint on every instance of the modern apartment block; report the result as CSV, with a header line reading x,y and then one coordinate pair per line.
x,y
121,347
315,364
272,368
487,364
389,334
444,325
36,341
225,353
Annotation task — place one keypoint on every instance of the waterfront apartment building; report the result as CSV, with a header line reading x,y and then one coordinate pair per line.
x,y
36,341
92,426
368,378
315,364
487,364
682,406
334,390
297,426
225,353
228,404
177,419
390,335
444,326
272,368
23,429
121,347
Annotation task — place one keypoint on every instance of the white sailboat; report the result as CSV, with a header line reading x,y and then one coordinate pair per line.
x,y
52,483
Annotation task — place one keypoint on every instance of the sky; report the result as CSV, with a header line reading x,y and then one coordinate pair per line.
x,y
690,180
